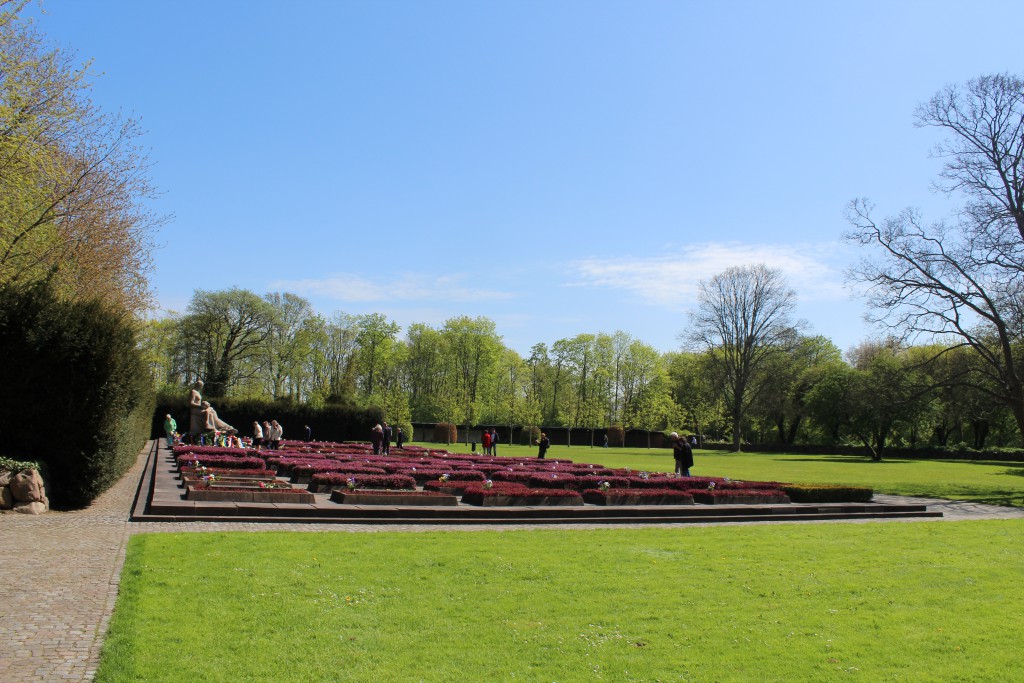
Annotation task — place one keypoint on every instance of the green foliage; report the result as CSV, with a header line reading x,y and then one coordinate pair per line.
x,y
76,395
11,465
445,432
616,436
529,436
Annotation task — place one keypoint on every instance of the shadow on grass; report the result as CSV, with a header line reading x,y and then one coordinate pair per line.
x,y
847,459
1010,499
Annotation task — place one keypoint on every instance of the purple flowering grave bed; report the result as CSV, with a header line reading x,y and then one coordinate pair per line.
x,y
253,494
637,497
374,497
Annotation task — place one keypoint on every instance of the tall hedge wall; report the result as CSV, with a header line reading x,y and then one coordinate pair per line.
x,y
330,423
76,396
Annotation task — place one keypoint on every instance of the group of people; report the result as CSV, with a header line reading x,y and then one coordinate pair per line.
x,y
682,452
381,435
204,425
268,434
489,440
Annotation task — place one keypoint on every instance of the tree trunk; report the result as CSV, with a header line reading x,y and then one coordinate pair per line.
x,y
737,436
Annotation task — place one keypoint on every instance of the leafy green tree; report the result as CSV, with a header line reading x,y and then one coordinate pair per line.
x,y
887,392
428,372
289,344
375,342
692,389
742,320
74,180
475,349
787,381
222,334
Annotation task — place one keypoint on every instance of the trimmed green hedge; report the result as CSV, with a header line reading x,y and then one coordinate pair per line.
x,y
808,493
76,397
330,423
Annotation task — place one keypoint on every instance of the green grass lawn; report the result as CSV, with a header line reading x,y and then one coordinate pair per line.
x,y
997,483
923,601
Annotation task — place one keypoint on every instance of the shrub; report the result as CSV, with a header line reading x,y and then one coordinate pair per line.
x,y
529,436
363,481
616,435
77,396
445,432
801,493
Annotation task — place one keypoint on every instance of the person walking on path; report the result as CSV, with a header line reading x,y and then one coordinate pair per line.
x,y
170,427
683,454
542,445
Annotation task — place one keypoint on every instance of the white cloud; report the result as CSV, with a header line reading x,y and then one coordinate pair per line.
x,y
813,270
405,287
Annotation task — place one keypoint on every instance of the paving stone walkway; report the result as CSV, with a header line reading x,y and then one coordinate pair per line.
x,y
62,570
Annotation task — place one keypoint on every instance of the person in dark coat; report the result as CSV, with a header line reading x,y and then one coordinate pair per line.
x,y
399,437
543,445
683,454
494,442
385,443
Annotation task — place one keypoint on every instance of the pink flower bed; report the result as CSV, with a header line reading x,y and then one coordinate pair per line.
x,y
308,469
592,482
637,497
228,471
324,481
209,450
422,476
508,493
718,496
221,461
451,486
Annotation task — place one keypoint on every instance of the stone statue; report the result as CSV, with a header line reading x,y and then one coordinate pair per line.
x,y
212,422
195,409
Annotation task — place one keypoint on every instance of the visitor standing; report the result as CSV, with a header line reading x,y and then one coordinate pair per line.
x,y
257,434
376,436
682,453
399,437
494,442
170,427
605,441
385,440
485,439
309,434
542,445
276,434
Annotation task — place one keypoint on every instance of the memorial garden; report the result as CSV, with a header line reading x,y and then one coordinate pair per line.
x,y
807,541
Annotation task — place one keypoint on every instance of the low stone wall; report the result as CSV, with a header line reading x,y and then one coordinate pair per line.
x,y
23,492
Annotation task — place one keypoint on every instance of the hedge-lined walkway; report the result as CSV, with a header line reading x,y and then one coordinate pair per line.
x,y
62,570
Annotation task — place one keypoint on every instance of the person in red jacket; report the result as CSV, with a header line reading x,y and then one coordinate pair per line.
x,y
485,439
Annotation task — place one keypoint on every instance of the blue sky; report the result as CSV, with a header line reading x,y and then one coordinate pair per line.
x,y
559,167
